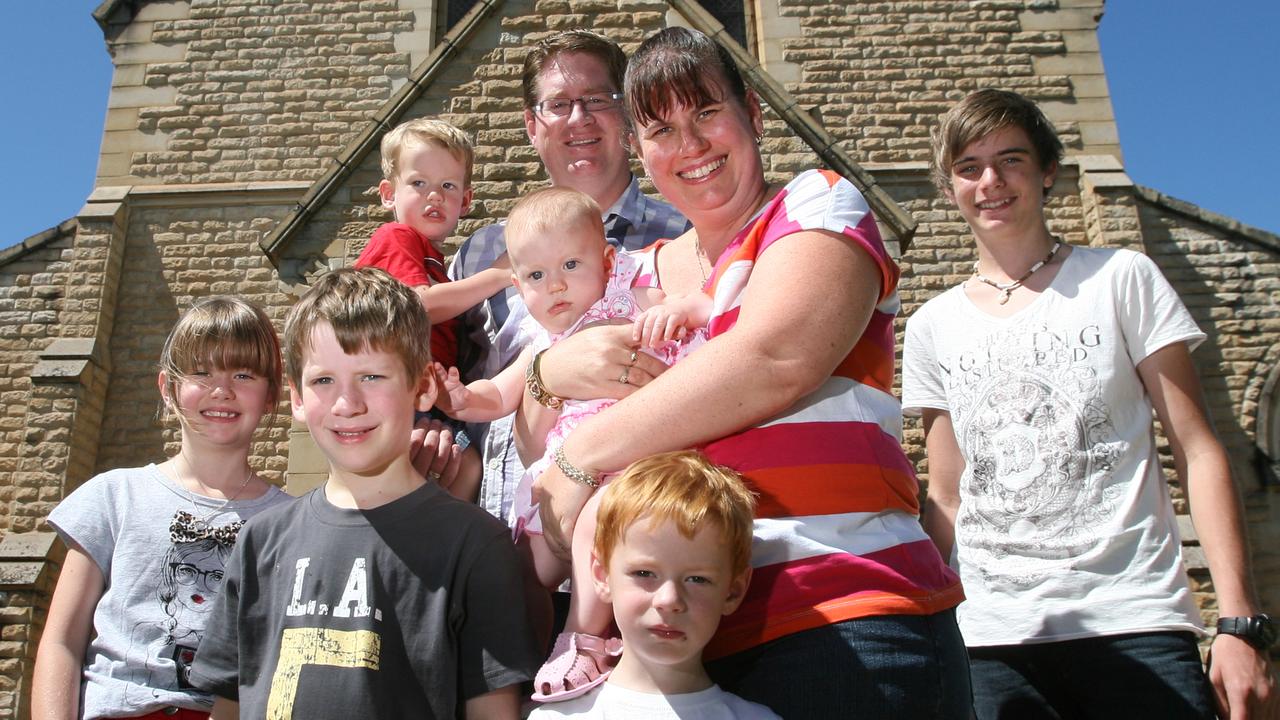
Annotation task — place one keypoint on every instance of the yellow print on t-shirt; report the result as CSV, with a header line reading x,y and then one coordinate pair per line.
x,y
300,647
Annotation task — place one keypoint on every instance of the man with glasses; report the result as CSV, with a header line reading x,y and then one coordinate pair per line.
x,y
573,114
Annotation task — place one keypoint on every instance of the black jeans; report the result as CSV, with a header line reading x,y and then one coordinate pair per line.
x,y
1139,675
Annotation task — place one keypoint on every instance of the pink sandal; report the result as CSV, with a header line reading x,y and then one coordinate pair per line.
x,y
578,663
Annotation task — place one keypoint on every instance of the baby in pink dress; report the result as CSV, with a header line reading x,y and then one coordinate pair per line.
x,y
570,278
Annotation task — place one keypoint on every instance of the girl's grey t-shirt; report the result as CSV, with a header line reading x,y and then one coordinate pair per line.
x,y
161,550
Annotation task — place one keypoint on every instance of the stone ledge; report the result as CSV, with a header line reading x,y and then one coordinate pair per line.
x,y
109,193
1106,179
1268,240
1095,163
24,557
67,361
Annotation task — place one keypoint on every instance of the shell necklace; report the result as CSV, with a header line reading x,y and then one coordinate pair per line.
x,y
1007,289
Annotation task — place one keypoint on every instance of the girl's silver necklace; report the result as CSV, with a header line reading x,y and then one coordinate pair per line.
x,y
203,522
1007,289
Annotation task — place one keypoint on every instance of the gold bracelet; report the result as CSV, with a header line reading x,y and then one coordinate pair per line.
x,y
574,473
539,392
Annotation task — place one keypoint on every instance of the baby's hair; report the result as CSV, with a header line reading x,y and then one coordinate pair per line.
x,y
367,309
221,333
428,132
684,488
547,212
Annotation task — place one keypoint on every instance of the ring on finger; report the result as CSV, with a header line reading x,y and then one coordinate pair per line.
x,y
433,476
626,375
631,361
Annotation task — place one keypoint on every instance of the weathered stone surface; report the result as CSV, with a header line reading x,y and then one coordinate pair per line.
x,y
251,91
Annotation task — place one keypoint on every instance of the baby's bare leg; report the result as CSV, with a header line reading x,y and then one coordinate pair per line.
x,y
587,613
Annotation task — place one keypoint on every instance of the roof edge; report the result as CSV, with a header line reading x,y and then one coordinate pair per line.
x,y
115,12
39,240
368,138
1257,235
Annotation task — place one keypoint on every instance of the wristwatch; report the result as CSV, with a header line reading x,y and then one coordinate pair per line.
x,y
1258,630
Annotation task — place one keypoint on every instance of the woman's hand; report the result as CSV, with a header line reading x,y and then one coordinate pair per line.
x,y
598,362
432,452
560,501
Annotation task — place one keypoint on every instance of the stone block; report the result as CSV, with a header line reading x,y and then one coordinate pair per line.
x,y
143,53
1079,110
1063,19
161,11
1100,135
140,97
1072,64
18,574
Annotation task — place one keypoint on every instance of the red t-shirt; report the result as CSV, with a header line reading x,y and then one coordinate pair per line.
x,y
410,258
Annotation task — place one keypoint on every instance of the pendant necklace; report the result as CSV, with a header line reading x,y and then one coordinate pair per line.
x,y
1007,289
697,253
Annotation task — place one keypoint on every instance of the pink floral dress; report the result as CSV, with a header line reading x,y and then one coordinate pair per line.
x,y
618,303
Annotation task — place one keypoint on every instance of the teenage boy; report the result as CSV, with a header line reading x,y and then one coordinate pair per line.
x,y
672,555
377,594
1036,379
572,90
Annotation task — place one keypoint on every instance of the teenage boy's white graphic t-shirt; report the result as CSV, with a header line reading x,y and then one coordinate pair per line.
x,y
1065,527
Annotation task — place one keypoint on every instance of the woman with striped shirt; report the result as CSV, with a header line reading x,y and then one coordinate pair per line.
x,y
850,612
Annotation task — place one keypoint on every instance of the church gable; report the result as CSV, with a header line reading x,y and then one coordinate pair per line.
x,y
473,80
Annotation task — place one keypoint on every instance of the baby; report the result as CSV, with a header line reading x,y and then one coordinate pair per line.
x,y
569,278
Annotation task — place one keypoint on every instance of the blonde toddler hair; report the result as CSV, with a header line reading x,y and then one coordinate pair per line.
x,y
426,131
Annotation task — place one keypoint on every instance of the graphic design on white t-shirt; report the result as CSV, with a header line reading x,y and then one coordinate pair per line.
x,y
1042,448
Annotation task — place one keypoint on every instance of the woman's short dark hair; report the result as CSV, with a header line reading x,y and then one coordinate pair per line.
x,y
677,66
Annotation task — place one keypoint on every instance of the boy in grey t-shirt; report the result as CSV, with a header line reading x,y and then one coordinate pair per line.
x,y
376,595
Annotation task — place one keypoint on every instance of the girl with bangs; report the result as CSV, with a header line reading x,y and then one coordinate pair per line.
x,y
146,546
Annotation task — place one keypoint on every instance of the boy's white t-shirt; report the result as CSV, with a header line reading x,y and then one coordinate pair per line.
x,y
1065,528
612,702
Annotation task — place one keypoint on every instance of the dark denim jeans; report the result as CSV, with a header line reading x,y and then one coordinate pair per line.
x,y
896,667
1139,675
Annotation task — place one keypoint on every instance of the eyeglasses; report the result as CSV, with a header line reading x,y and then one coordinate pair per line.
x,y
188,574
559,107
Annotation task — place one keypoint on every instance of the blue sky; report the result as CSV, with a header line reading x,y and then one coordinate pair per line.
x,y
1196,91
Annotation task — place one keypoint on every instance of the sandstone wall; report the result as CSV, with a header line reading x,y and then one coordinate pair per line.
x,y
879,73
211,91
223,113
